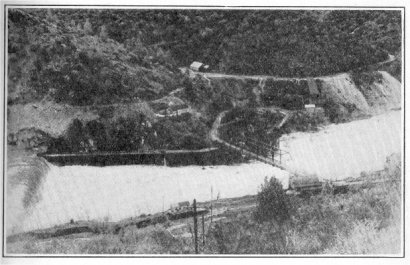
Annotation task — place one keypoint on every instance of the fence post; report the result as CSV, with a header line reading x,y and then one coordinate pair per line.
x,y
195,228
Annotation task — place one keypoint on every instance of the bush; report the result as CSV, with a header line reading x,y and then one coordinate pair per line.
x,y
76,136
305,121
364,79
273,204
335,112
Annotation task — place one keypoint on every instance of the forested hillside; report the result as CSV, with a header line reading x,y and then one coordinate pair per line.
x,y
73,63
85,55
274,42
63,61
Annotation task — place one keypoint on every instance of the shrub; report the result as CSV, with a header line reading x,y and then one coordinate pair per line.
x,y
273,204
305,121
335,112
365,79
75,136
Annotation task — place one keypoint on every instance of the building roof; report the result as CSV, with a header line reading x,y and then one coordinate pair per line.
x,y
196,65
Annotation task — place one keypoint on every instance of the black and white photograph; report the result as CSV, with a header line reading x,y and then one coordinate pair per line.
x,y
203,131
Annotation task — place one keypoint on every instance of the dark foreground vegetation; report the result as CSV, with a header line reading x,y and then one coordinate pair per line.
x,y
364,220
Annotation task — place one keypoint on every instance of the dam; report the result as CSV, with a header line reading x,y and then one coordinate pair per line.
x,y
156,157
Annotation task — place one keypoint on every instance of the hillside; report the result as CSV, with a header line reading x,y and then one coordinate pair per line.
x,y
99,56
71,64
106,75
108,126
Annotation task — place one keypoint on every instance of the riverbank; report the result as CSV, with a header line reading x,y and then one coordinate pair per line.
x,y
117,192
365,220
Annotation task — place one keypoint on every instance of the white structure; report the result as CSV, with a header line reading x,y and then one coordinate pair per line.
x,y
310,106
197,66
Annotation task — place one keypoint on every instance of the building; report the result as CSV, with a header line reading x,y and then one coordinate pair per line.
x,y
198,66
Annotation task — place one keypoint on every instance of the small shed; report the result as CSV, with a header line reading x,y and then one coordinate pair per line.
x,y
310,107
198,66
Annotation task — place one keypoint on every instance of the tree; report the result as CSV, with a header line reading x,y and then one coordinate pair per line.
x,y
75,136
87,27
273,204
103,32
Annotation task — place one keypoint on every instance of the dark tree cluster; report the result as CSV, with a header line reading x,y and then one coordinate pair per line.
x,y
132,133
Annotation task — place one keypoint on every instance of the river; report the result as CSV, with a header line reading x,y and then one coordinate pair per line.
x,y
116,192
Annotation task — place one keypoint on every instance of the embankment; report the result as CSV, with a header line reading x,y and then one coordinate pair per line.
x,y
202,157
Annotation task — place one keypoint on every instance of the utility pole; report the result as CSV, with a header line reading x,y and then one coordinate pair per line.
x,y
203,232
195,228
212,191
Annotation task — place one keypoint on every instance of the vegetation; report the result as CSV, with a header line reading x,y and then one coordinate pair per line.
x,y
364,79
273,203
395,67
304,121
98,57
246,127
286,94
83,56
133,133
68,63
209,97
365,220
279,42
